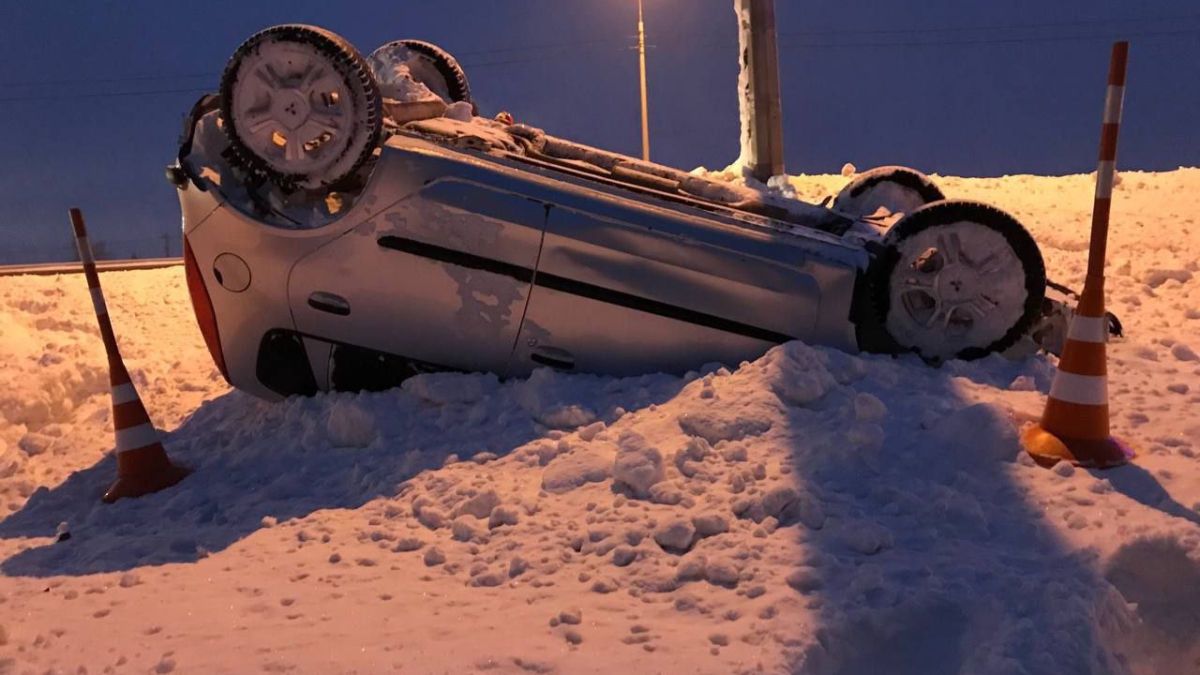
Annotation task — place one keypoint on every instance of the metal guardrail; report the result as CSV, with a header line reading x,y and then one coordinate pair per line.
x,y
77,267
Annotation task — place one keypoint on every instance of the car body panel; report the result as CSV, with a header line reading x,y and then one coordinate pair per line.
x,y
403,301
438,259
621,297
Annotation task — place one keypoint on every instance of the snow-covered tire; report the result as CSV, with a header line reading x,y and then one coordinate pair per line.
x,y
957,279
300,106
899,189
428,64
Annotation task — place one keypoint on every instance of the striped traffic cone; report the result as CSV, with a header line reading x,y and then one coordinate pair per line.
x,y
142,463
1074,426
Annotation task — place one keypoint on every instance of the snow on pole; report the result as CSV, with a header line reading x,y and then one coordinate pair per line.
x,y
745,91
1075,424
759,100
142,463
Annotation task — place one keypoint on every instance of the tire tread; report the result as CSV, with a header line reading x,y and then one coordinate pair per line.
x,y
949,211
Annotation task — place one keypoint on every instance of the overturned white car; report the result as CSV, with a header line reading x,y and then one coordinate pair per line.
x,y
352,221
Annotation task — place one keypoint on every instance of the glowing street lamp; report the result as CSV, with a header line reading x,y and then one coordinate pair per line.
x,y
642,61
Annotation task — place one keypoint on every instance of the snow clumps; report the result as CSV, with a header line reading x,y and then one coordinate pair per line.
x,y
983,430
350,426
798,374
637,465
574,470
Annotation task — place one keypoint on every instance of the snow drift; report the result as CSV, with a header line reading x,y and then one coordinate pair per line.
x,y
810,512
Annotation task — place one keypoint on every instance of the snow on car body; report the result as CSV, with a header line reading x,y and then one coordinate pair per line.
x,y
461,243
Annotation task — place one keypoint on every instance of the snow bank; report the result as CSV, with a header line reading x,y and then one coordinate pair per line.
x,y
810,512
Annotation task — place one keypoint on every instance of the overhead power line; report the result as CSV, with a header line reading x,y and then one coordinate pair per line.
x,y
1002,41
998,27
623,44
216,74
108,80
559,45
921,43
111,94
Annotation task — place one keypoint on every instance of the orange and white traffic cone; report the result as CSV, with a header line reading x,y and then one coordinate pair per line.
x,y
1074,426
142,463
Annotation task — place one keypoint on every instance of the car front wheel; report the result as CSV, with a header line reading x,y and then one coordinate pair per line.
x,y
301,106
957,279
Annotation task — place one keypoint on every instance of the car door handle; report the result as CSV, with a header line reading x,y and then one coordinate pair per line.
x,y
329,302
559,359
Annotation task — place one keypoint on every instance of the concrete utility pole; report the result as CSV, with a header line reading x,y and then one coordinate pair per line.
x,y
645,109
762,113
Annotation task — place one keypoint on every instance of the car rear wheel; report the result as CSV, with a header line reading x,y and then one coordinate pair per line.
x,y
957,279
428,64
895,188
301,106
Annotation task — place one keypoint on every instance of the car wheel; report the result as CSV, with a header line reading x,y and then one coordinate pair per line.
x,y
428,64
957,279
301,106
895,188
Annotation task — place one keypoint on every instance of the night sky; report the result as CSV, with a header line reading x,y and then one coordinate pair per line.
x,y
962,87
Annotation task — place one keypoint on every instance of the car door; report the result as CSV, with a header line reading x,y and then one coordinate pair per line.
x,y
439,280
624,291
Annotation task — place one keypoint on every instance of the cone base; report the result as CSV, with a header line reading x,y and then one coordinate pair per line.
x,y
1047,450
140,484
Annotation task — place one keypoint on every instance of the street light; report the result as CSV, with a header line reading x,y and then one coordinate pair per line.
x,y
642,61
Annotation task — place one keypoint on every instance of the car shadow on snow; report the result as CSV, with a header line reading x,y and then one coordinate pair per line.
x,y
1139,485
1163,579
929,553
254,461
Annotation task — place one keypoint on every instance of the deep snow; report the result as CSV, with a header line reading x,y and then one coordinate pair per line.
x,y
811,512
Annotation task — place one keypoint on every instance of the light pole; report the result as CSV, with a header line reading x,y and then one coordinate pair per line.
x,y
642,61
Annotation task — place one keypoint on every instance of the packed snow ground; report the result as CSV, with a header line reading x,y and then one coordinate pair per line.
x,y
811,512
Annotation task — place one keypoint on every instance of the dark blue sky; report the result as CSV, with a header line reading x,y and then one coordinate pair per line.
x,y
1007,87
